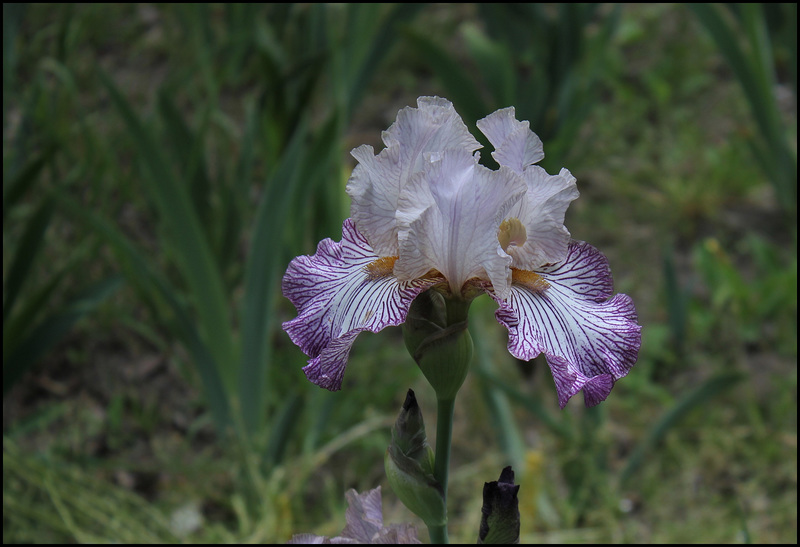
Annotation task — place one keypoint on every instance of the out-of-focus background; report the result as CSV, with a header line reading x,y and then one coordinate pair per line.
x,y
162,164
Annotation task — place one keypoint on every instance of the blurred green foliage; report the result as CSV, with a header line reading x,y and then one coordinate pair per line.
x,y
545,60
163,163
754,64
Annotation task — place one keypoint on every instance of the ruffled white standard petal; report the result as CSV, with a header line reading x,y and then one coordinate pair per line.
x,y
515,145
337,296
542,212
589,339
449,216
377,181
374,187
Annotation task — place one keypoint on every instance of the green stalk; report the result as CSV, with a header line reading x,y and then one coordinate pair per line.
x,y
441,470
436,335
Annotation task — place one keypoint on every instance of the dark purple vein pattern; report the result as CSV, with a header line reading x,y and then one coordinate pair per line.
x,y
336,299
590,339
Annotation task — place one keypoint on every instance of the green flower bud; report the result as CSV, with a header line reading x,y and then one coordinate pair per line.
x,y
409,466
500,511
436,335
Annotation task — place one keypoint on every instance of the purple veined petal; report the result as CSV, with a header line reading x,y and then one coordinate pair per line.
x,y
515,145
564,311
342,290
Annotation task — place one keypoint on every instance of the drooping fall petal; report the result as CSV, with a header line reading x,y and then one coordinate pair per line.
x,y
339,292
566,312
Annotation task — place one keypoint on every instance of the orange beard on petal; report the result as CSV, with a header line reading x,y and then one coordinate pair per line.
x,y
530,280
383,267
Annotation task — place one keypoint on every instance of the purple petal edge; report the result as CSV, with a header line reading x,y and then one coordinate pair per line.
x,y
336,299
590,340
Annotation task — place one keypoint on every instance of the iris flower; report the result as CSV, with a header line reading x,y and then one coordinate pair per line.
x,y
425,214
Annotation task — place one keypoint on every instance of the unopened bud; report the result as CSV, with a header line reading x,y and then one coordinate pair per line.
x,y
500,511
409,466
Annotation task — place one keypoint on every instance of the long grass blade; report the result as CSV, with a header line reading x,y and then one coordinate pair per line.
x,y
25,254
754,68
20,323
42,338
188,149
185,234
281,429
696,398
235,198
728,41
458,82
264,261
378,48
323,206
531,404
494,63
506,428
19,183
154,289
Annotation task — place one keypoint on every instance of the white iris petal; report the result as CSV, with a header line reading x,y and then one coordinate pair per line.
x,y
544,206
515,145
542,212
449,216
377,181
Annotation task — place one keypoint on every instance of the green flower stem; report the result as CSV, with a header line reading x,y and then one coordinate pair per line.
x,y
438,534
441,470
436,335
